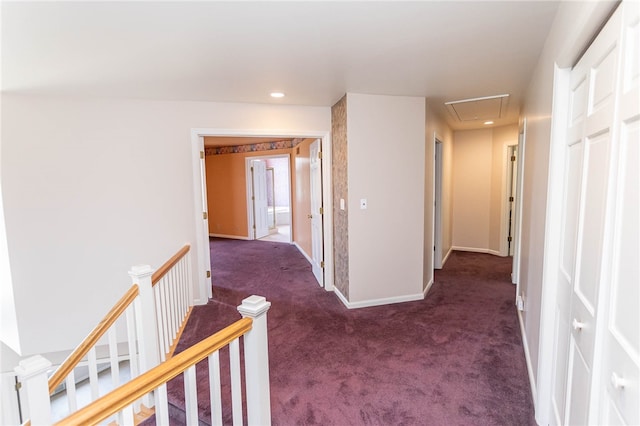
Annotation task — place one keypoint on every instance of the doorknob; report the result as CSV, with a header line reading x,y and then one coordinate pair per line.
x,y
577,325
616,381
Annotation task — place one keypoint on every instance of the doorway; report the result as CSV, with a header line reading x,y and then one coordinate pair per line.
x,y
512,194
437,204
269,175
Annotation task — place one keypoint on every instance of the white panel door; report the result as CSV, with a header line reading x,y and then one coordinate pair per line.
x,y
597,71
317,244
260,199
618,397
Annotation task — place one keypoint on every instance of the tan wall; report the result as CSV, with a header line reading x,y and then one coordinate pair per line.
x,y
302,196
227,191
479,190
472,151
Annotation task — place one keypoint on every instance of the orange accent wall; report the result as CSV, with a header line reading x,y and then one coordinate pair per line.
x,y
227,191
302,196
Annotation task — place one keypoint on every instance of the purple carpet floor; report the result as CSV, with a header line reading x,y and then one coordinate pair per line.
x,y
455,358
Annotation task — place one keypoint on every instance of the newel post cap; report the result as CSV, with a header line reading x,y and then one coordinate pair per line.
x,y
140,271
32,366
254,306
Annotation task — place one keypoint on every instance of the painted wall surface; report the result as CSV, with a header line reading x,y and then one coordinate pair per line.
x,y
281,194
95,186
340,180
434,124
471,180
227,191
503,136
575,24
302,196
386,167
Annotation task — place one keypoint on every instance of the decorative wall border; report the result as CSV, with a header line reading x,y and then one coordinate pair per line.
x,y
264,146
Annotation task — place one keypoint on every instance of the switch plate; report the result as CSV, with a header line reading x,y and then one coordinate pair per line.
x,y
341,203
363,203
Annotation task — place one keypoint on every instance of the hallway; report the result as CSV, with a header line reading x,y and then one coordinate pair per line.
x,y
454,358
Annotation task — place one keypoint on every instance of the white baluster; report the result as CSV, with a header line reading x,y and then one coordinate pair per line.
x,y
236,385
146,326
72,399
146,318
190,396
256,360
32,373
162,405
215,393
113,357
132,347
93,373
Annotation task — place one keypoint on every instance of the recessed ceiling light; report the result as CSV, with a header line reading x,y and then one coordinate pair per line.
x,y
488,122
277,95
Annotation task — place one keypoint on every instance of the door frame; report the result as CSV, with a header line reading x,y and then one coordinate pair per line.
x,y
437,201
203,258
250,213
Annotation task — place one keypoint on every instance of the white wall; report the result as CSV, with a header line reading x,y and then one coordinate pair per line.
x,y
386,166
92,187
575,24
471,198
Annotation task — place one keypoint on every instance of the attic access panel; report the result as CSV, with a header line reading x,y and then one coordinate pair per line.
x,y
486,108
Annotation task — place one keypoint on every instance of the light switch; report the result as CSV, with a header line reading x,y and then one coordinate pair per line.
x,y
341,203
363,203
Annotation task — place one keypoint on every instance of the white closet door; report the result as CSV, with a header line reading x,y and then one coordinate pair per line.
x,y
618,397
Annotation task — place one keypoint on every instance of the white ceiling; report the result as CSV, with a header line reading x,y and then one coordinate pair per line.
x,y
240,51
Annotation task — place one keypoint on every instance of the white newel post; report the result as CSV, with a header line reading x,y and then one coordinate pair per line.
x,y
256,358
32,374
146,320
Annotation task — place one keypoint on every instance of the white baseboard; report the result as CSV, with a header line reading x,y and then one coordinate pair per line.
x,y
343,299
303,252
527,357
378,302
427,288
446,256
232,237
475,250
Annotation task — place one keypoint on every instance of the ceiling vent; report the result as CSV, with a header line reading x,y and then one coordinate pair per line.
x,y
479,109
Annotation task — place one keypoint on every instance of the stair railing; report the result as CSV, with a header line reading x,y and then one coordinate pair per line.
x,y
153,313
252,327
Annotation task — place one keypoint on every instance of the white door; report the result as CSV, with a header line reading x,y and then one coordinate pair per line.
x,y
591,186
618,397
260,201
317,245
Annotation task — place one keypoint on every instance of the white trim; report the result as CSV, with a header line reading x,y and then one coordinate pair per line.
x,y
436,260
202,291
427,288
476,250
202,236
517,235
446,257
306,256
379,302
231,237
527,357
555,189
343,299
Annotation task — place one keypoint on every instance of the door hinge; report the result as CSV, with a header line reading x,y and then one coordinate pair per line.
x,y
208,274
251,168
201,154
18,386
321,210
205,216
320,155
509,239
513,158
510,198
322,264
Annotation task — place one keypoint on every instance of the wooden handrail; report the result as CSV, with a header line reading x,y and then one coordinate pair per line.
x,y
157,275
133,390
79,353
